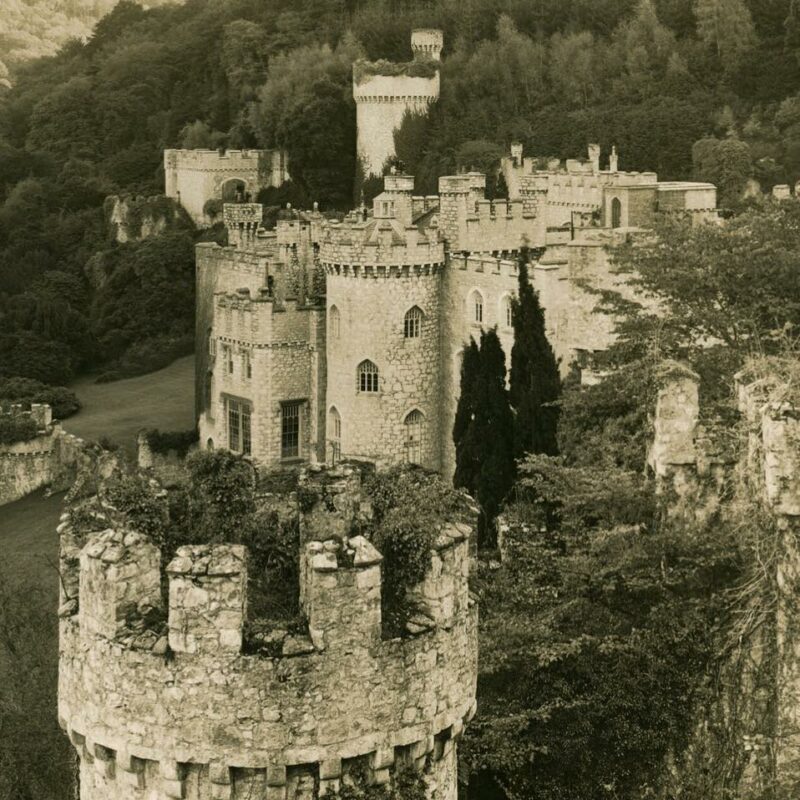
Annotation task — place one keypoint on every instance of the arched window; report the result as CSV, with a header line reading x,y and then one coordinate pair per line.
x,y
413,443
412,325
476,307
616,213
335,319
367,379
506,311
335,434
210,444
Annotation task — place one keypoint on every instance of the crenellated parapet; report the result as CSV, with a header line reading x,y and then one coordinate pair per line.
x,y
200,714
379,247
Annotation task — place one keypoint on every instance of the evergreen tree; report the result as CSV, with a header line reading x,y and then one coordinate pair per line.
x,y
467,460
535,382
484,430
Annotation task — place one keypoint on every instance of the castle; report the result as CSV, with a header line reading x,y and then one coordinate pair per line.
x,y
163,698
324,339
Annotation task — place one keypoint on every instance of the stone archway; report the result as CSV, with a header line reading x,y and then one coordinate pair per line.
x,y
233,190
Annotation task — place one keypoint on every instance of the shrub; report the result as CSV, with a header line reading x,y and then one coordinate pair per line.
x,y
63,401
164,442
17,429
145,510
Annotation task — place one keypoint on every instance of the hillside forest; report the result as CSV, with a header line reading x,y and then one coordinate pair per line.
x,y
609,635
704,88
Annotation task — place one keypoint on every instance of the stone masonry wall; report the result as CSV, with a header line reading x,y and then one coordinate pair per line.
x,y
194,176
371,310
200,719
50,459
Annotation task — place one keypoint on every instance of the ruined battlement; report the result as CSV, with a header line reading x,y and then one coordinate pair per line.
x,y
379,246
160,695
40,413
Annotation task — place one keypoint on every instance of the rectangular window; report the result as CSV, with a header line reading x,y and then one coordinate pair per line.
x,y
212,346
290,430
247,366
239,438
227,355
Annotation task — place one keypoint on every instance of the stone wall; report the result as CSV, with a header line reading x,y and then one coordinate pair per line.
x,y
370,308
50,459
494,281
285,345
180,711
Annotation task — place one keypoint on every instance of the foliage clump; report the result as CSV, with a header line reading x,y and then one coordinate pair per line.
x,y
17,428
420,68
166,441
410,504
63,401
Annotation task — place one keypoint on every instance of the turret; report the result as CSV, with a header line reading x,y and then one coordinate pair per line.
x,y
172,700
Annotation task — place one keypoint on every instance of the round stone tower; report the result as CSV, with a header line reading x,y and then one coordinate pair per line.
x,y
164,699
384,93
383,296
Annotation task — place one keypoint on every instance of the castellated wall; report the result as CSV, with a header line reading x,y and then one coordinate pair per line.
x,y
49,459
471,223
285,345
182,712
225,269
194,176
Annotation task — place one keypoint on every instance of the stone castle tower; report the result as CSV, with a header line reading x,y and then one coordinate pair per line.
x,y
385,92
184,709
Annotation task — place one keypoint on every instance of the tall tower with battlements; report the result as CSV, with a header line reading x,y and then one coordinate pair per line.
x,y
384,92
383,313
163,698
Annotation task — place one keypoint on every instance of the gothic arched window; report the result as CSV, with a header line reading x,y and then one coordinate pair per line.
x,y
335,319
412,324
413,436
616,213
367,378
476,306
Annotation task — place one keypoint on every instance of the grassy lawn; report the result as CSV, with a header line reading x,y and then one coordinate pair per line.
x,y
163,399
117,411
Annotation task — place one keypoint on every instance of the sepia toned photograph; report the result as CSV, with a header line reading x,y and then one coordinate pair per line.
x,y
399,399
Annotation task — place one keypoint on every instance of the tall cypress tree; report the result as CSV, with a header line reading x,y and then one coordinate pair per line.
x,y
484,430
467,456
535,382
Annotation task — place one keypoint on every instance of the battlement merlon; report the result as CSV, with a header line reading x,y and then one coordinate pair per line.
x,y
415,91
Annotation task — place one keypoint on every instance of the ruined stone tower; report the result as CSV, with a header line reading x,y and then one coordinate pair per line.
x,y
385,92
185,709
